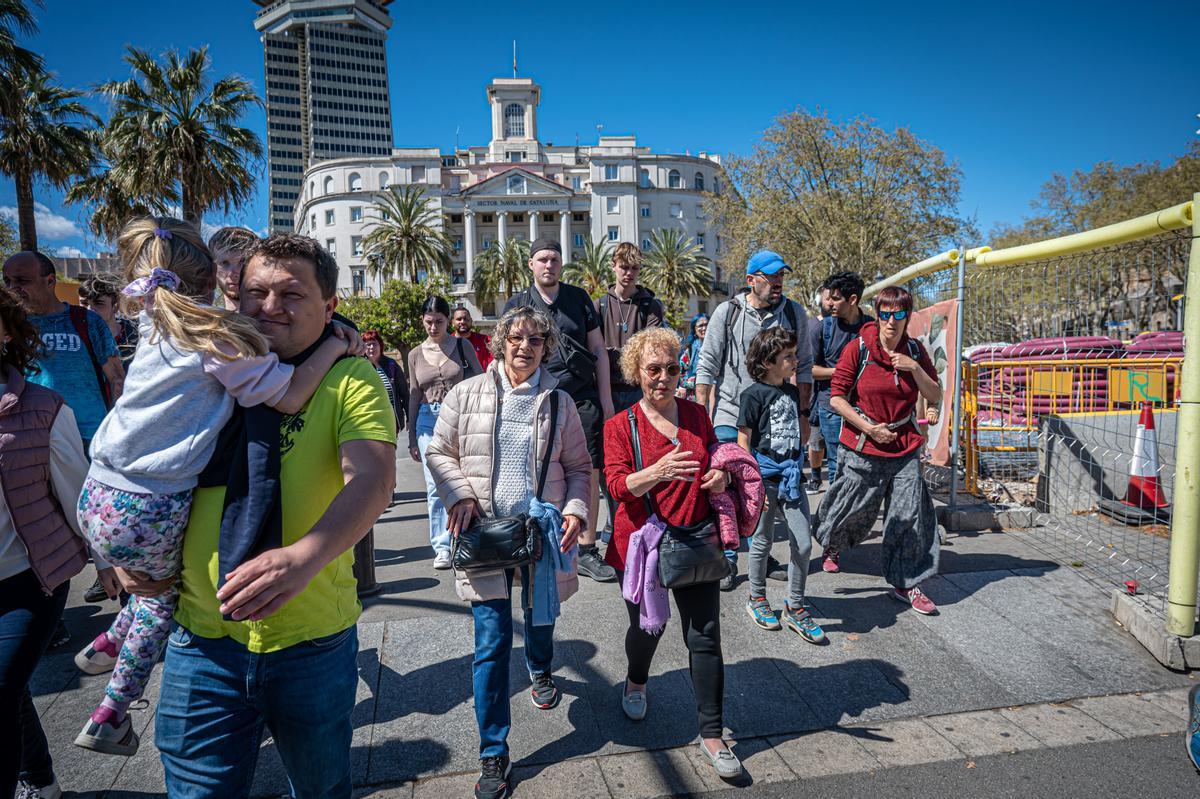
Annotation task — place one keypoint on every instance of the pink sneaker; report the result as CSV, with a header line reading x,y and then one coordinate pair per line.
x,y
915,597
830,564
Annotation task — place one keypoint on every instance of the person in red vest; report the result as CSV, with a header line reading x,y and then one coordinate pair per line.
x,y
462,328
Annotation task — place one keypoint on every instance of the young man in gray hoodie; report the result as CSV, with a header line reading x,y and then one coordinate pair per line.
x,y
721,376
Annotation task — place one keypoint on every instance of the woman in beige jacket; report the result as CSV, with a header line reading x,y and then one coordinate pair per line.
x,y
487,447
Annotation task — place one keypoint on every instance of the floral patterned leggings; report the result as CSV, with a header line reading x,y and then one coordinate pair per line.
x,y
142,532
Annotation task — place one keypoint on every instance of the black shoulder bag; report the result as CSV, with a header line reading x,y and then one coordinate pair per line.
x,y
510,541
686,555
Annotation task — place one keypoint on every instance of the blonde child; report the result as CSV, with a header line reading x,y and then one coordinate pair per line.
x,y
193,362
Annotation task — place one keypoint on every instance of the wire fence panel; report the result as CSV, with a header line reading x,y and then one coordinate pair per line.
x,y
1071,384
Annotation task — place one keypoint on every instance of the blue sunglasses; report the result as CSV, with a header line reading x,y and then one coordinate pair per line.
x,y
899,316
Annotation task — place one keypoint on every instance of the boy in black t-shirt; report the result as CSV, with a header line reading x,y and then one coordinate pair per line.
x,y
769,429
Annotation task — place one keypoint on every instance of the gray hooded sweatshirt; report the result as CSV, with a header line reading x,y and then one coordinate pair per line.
x,y
723,354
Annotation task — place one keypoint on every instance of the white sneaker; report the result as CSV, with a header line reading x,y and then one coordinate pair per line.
x,y
91,660
441,561
26,790
104,737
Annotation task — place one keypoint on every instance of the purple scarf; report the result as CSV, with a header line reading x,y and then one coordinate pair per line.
x,y
641,585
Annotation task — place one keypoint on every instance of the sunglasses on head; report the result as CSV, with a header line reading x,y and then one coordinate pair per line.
x,y
899,316
655,370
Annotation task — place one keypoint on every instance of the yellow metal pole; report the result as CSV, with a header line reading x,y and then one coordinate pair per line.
x,y
937,263
1185,516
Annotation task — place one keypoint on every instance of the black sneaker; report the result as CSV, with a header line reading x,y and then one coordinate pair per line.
x,y
545,693
776,570
493,777
95,593
592,565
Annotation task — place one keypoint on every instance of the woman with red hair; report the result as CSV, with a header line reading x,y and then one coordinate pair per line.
x,y
389,372
875,388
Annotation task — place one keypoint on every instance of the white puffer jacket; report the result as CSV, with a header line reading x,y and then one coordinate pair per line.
x,y
462,454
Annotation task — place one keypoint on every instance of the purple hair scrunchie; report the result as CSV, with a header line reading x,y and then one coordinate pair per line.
x,y
158,278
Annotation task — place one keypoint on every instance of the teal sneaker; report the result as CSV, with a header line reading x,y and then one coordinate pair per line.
x,y
760,611
1193,734
802,623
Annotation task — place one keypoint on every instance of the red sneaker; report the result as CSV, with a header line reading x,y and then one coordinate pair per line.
x,y
830,564
915,597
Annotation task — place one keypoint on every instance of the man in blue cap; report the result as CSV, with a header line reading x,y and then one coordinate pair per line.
x,y
722,376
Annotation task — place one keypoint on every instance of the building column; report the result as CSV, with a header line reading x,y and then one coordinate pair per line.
x,y
564,233
502,230
533,226
469,244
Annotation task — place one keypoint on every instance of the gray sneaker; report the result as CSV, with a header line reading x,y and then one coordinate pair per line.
x,y
593,566
728,580
633,703
725,762
27,790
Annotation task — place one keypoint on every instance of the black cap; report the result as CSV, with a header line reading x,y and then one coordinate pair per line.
x,y
545,244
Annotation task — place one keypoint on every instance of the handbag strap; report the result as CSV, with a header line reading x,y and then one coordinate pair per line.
x,y
545,470
637,460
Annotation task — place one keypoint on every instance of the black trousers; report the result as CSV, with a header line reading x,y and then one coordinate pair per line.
x,y
700,620
27,621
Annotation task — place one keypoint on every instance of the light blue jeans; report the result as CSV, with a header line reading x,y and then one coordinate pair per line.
x,y
439,535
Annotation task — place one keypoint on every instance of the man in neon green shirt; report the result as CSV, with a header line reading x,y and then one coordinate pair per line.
x,y
288,657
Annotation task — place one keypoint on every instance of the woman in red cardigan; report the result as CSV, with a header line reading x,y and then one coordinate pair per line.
x,y
875,389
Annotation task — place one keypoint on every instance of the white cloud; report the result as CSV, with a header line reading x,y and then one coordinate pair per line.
x,y
69,252
50,225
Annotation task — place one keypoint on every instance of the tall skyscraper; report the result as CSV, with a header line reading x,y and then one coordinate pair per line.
x,y
327,89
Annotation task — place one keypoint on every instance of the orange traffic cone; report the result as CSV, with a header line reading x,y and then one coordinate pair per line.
x,y
1144,491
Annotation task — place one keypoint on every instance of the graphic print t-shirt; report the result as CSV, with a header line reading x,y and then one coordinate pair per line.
x,y
67,367
773,415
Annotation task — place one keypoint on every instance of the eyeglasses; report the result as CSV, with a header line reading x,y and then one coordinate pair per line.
x,y
899,316
655,370
534,341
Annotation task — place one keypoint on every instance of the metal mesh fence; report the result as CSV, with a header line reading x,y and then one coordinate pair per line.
x,y
1071,382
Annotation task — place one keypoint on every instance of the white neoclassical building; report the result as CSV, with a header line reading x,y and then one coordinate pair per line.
x,y
517,185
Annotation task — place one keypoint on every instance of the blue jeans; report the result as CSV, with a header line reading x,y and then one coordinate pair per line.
x,y
493,645
831,431
216,695
439,533
728,434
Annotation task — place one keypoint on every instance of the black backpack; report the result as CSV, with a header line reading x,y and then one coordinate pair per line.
x,y
735,310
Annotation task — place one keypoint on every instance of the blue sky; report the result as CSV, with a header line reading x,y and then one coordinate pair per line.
x,y
1012,91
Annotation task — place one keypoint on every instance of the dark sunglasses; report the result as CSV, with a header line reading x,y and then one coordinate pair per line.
x,y
655,371
899,316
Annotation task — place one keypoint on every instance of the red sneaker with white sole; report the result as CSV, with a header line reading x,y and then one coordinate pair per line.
x,y
830,564
915,597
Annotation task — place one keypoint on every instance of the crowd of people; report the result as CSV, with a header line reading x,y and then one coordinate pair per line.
x,y
219,455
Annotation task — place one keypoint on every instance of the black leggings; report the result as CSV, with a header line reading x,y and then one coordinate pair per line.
x,y
700,616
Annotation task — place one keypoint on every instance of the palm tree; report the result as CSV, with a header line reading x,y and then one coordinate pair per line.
x,y
108,203
676,269
407,236
16,17
173,124
41,139
502,269
593,270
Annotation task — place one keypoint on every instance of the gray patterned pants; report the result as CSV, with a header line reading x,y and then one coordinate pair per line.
x,y
848,511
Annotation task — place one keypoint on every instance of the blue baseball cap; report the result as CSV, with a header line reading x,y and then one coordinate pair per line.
x,y
766,262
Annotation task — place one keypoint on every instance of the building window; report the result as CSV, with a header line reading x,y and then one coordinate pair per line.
x,y
518,218
356,213
331,247
516,156
644,178
645,212
384,181
699,211
514,120
458,244
358,281
355,181
702,307
577,217
716,185
547,217
455,183
676,211
329,217
645,244
698,182
612,205
456,219
576,182
516,184
329,185
312,222
673,180
578,239
487,242
700,240
449,160
610,171
614,233
356,246
312,189
418,174
488,219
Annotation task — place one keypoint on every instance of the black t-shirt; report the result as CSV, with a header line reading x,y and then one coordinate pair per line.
x,y
573,312
773,415
840,334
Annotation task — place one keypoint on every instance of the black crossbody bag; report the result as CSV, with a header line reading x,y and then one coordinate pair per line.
x,y
686,555
509,541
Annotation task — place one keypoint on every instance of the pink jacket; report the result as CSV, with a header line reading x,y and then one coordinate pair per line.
x,y
739,507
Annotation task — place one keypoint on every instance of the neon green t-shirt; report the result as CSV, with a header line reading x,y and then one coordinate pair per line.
x,y
351,404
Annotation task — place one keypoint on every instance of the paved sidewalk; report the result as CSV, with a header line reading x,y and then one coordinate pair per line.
x,y
1015,630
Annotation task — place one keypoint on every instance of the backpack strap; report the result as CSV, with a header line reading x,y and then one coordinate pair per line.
x,y
461,351
827,338
545,470
78,317
790,314
637,458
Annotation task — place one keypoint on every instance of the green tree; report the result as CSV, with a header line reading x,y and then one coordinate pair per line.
x,y
593,270
406,236
16,17
830,196
43,137
501,270
174,128
108,204
8,238
676,269
396,312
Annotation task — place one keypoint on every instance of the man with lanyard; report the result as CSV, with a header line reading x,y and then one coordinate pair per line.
x,y
624,310
838,330
581,366
722,376
461,324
